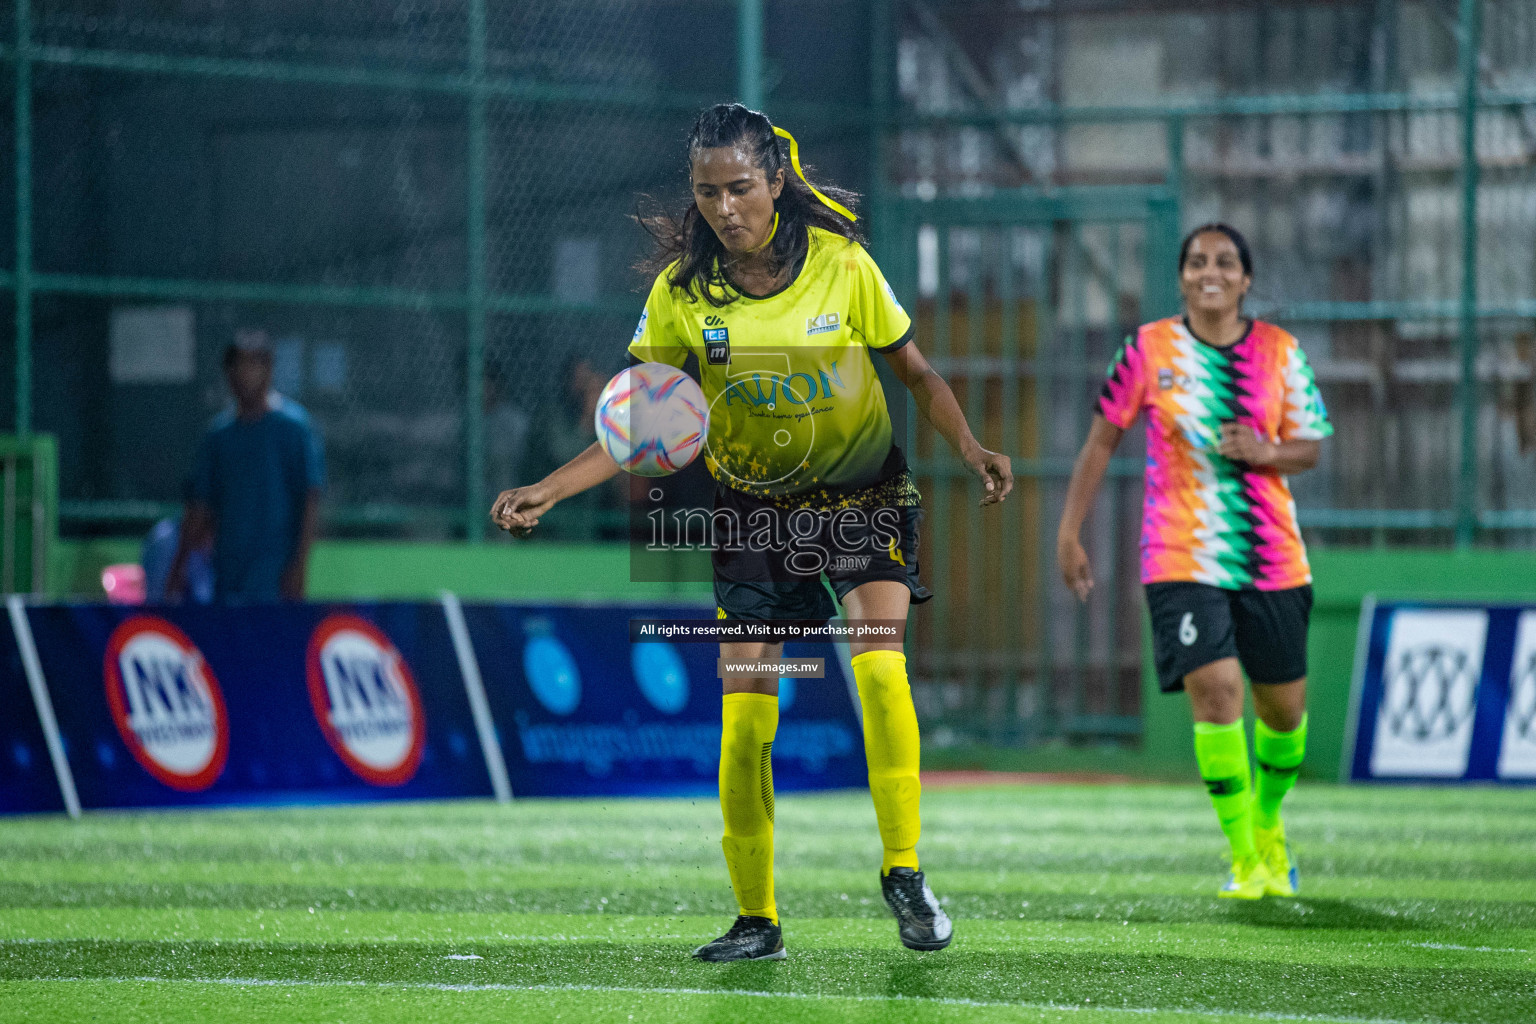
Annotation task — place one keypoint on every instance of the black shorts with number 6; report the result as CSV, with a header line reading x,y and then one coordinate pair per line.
x,y
1194,624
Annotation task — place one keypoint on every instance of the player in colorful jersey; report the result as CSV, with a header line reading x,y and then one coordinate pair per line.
x,y
1232,410
764,282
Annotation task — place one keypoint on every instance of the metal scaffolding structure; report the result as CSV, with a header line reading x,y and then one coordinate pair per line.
x,y
1027,174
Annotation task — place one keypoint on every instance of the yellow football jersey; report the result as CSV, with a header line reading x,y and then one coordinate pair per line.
x,y
794,402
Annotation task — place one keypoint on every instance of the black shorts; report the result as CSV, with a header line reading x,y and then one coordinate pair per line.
x,y
1194,624
769,561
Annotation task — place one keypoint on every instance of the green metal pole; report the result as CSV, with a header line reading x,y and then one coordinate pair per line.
x,y
879,104
749,52
1469,33
474,350
23,280
1162,287
1045,720
1013,624
975,646
1076,288
1175,179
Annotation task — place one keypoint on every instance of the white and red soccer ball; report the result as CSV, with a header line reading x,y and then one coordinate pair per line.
x,y
652,419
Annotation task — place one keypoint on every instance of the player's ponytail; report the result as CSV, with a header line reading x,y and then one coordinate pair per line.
x,y
692,245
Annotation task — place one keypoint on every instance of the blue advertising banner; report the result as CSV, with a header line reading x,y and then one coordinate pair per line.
x,y
207,705
258,704
582,711
1443,692
27,780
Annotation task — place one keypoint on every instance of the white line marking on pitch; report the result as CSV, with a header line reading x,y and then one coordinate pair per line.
x,y
1464,949
263,941
438,986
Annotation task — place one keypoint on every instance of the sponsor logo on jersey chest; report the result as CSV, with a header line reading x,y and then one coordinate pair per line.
x,y
717,344
822,324
166,703
1167,380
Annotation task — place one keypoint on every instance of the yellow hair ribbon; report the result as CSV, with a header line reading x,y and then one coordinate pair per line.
x,y
794,159
771,232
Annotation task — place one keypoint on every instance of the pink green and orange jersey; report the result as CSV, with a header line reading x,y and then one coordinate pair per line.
x,y
1208,519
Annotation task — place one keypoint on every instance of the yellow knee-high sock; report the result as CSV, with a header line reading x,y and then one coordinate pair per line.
x,y
1222,753
891,746
748,722
1279,755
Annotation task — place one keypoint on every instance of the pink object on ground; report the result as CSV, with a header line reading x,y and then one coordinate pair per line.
x,y
123,583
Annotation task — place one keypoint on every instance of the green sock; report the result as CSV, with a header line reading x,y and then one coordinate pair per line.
x,y
1222,753
1279,755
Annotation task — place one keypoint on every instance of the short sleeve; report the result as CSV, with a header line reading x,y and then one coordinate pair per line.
x,y
200,481
875,316
314,459
659,338
1306,418
1125,385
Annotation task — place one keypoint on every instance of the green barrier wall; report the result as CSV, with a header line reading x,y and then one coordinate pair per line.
x,y
344,570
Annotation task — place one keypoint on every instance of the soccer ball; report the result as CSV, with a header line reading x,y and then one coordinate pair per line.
x,y
651,419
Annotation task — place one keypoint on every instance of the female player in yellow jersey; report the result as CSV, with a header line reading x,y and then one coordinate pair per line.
x,y
1232,410
765,282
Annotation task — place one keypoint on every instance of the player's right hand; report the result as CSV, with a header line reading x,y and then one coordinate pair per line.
x,y
517,511
995,470
1075,571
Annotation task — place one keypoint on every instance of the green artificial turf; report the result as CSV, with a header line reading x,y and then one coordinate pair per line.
x,y
1079,904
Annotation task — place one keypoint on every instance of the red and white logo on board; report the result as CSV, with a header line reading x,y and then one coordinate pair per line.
x,y
365,700
166,703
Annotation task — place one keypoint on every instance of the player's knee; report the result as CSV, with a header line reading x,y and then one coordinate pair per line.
x,y
1281,706
1282,719
1217,705
1216,692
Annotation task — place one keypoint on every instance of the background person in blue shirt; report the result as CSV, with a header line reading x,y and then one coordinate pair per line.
x,y
158,555
255,487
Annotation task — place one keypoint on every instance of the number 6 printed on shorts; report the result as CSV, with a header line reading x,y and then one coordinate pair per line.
x,y
1188,634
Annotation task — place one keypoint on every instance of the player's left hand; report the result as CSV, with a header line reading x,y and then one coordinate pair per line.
x,y
1241,443
995,471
